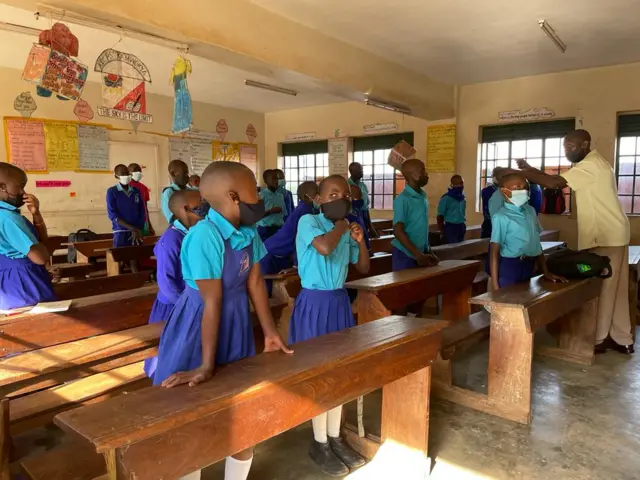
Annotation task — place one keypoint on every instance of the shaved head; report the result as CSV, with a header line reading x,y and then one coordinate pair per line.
x,y
355,170
179,173
307,191
579,136
10,171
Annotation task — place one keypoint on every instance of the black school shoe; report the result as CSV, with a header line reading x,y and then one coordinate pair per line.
x,y
610,344
347,454
323,456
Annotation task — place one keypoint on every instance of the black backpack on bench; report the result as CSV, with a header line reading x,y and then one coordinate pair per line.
x,y
82,235
577,265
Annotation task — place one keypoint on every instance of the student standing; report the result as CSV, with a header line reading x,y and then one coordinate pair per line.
x,y
515,239
410,247
273,205
603,228
179,173
486,195
451,212
136,175
288,196
355,178
326,244
194,181
24,279
125,209
211,324
356,214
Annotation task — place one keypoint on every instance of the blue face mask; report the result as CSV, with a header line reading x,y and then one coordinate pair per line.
x,y
282,183
519,197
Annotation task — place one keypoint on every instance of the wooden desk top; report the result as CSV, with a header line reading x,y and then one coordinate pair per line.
x,y
387,280
549,246
127,419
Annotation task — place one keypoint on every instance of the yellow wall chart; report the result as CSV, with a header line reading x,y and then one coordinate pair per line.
x,y
441,148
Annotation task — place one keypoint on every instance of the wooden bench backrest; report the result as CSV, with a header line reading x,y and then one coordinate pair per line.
x,y
98,248
381,244
382,223
462,250
236,410
99,286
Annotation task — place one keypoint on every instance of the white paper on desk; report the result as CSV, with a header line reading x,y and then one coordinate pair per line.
x,y
15,311
51,307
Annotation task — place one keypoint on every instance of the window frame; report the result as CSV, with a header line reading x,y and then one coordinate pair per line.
x,y
319,150
628,126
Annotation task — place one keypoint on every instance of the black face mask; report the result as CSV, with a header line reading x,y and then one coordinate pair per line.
x,y
201,210
336,209
422,181
15,200
251,213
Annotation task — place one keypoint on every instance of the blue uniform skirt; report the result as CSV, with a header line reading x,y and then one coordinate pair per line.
x,y
401,261
454,232
318,312
515,270
266,232
23,283
159,311
180,347
122,239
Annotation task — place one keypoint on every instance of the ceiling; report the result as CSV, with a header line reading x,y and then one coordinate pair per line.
x,y
469,41
210,82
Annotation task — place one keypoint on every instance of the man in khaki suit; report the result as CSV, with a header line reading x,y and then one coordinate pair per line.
x,y
603,228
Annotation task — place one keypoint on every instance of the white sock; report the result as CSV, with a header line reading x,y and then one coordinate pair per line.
x,y
192,476
334,419
320,427
235,469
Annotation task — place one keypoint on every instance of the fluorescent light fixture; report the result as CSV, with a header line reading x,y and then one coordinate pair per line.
x,y
273,88
61,15
387,106
12,27
551,33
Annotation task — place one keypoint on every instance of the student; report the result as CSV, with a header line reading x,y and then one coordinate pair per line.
x,y
24,280
451,212
179,173
486,195
356,215
281,247
410,247
515,239
288,196
125,209
496,199
326,244
356,174
194,181
273,205
136,175
210,324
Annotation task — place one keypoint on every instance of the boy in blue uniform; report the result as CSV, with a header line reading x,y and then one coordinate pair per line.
x,y
273,204
179,173
211,323
24,279
355,178
451,212
288,196
326,244
485,195
126,210
515,239
357,213
281,247
410,248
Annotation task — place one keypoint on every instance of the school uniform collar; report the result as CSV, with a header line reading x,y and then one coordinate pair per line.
x,y
411,192
238,237
352,182
121,189
515,208
325,222
179,227
8,206
175,187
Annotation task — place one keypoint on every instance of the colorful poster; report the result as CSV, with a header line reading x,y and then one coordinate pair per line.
x,y
62,74
25,104
251,133
93,148
83,111
222,128
441,148
61,146
195,149
36,63
182,113
123,86
26,145
226,151
400,152
249,156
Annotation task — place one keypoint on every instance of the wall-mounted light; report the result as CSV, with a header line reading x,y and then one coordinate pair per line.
x,y
387,106
272,88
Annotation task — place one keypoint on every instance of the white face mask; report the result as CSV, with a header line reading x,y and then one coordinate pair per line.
x,y
125,179
137,176
519,197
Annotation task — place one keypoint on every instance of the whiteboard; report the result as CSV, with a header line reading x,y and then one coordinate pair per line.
x,y
87,191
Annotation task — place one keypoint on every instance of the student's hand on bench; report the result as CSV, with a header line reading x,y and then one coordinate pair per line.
x,y
554,278
356,232
427,260
274,342
192,377
54,274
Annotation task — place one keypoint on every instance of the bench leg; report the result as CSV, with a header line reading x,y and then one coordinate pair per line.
x,y
5,440
370,307
455,304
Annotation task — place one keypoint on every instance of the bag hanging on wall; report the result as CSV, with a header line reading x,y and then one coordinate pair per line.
x,y
553,201
579,264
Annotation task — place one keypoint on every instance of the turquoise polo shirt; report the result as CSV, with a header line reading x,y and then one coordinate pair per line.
x,y
320,272
166,195
496,202
517,231
16,238
411,208
202,252
272,199
365,192
452,210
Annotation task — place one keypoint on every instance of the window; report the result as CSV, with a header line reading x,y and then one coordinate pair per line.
x,y
627,165
383,182
303,162
540,144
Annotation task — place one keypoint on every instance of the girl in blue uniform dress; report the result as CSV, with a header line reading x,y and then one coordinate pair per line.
x,y
451,212
24,279
325,245
357,212
515,237
210,324
126,210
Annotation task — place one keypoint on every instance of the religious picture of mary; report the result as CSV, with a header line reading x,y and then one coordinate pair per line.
x,y
182,113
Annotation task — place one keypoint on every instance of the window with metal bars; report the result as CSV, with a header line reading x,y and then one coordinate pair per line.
x,y
382,181
539,143
628,163
306,161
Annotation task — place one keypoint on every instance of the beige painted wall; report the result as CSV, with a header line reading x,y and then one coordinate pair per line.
x,y
350,118
205,118
594,97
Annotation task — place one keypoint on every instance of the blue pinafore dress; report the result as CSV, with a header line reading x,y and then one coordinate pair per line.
x,y
22,282
181,340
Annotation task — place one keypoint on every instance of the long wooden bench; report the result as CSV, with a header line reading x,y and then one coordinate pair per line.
x,y
382,223
381,244
138,433
58,246
517,312
117,256
85,251
99,286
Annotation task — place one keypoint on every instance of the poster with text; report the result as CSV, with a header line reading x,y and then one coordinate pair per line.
x,y
26,145
441,148
61,146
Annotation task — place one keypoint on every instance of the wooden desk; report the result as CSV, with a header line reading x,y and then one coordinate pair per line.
x,y
98,248
382,244
139,433
463,250
117,256
98,286
551,247
382,223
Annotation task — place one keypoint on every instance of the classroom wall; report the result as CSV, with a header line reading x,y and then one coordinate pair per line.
x,y
594,97
205,118
350,117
